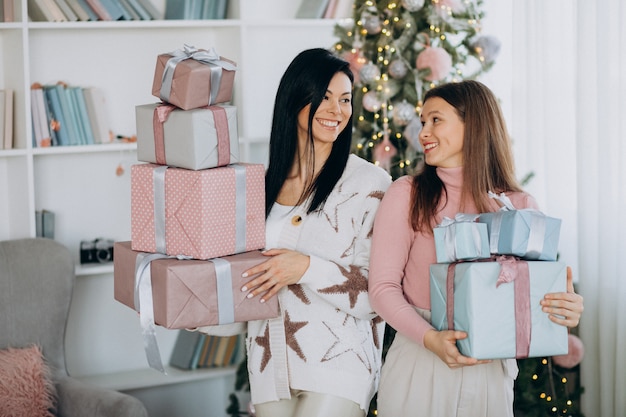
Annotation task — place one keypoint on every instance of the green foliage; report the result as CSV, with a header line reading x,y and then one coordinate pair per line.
x,y
382,42
543,389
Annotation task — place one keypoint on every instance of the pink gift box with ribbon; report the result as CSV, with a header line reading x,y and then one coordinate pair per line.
x,y
190,78
195,139
188,293
200,214
497,303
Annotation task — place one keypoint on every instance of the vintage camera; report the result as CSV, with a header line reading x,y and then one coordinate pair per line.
x,y
96,251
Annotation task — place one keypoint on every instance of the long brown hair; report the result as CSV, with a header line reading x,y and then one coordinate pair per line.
x,y
488,163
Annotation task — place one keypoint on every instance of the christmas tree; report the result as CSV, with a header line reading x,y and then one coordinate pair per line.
x,y
398,50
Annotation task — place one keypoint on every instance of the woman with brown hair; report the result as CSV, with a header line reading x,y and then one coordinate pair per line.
x,y
467,153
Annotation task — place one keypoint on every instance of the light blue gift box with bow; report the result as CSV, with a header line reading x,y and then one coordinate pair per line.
x,y
461,238
498,304
526,233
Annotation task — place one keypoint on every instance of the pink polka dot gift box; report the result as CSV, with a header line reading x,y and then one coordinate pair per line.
x,y
200,214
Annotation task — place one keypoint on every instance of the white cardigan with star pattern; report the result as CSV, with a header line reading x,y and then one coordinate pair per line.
x,y
328,338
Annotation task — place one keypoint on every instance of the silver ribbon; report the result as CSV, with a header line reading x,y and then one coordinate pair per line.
x,y
144,304
210,57
225,297
240,207
536,234
158,186
449,234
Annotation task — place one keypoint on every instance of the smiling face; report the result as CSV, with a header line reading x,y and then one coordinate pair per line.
x,y
442,134
331,117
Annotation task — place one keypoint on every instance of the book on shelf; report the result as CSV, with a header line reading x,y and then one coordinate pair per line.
x,y
44,223
55,116
187,349
139,9
8,118
40,11
151,9
93,16
311,9
96,105
78,10
113,8
8,11
2,95
69,114
66,10
130,12
99,9
86,132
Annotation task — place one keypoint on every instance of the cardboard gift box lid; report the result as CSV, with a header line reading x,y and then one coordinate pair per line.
x,y
485,307
185,293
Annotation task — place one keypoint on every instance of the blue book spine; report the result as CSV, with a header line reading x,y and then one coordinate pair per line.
x,y
140,10
69,113
56,120
92,15
83,117
113,8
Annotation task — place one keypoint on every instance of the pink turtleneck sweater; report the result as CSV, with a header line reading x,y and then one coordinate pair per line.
x,y
399,277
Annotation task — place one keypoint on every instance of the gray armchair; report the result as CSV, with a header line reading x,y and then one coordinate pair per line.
x,y
36,284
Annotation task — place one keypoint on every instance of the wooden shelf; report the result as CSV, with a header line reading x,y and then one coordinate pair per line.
x,y
149,378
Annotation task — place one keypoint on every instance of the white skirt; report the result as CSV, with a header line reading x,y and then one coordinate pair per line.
x,y
416,383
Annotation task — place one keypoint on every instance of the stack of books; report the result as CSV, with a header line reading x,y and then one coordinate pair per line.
x,y
91,10
194,350
196,9
65,115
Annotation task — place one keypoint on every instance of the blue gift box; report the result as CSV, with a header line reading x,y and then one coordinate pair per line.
x,y
526,233
461,239
491,314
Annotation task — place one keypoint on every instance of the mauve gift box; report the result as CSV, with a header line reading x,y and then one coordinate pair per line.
x,y
200,214
193,81
195,139
490,312
185,292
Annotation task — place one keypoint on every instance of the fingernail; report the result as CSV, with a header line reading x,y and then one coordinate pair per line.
x,y
244,275
249,295
262,300
244,289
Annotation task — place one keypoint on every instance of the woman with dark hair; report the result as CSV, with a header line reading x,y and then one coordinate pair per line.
x,y
322,356
467,153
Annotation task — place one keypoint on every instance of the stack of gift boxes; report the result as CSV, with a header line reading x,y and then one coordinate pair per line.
x,y
197,212
492,271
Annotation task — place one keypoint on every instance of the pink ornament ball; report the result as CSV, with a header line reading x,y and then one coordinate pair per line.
x,y
437,59
574,356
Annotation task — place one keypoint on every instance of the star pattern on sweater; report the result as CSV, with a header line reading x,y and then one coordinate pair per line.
x,y
355,284
333,218
375,322
291,327
338,348
264,342
355,226
298,291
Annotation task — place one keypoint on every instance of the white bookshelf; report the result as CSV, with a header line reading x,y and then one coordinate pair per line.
x,y
79,183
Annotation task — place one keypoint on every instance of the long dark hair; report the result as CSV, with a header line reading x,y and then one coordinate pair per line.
x,y
305,82
488,163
